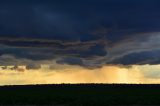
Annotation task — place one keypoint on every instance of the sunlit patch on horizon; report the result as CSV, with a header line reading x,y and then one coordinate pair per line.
x,y
135,74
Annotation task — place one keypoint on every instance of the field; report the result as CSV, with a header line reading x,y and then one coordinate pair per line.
x,y
80,94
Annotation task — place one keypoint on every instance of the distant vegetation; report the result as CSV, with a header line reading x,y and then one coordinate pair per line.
x,y
81,94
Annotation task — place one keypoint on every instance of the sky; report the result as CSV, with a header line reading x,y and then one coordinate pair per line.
x,y
100,41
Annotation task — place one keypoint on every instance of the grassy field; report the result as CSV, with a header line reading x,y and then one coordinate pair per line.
x,y
81,94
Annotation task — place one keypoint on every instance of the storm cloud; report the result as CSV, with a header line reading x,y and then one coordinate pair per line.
x,y
89,33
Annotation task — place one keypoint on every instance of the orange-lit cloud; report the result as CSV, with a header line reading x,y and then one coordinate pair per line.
x,y
77,74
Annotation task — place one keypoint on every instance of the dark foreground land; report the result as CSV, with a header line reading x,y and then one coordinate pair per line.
x,y
80,94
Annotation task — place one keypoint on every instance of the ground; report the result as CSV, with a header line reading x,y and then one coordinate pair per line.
x,y
80,94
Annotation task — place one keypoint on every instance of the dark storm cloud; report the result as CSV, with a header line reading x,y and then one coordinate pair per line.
x,y
86,33
76,19
72,61
151,57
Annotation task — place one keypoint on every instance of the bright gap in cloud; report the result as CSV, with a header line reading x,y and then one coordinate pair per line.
x,y
138,74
